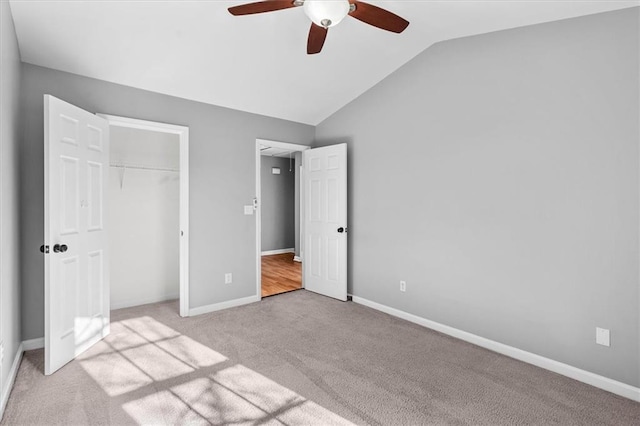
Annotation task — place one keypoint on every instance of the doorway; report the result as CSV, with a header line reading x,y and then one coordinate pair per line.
x,y
148,194
278,217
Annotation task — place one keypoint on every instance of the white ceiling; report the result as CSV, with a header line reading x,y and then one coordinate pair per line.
x,y
258,63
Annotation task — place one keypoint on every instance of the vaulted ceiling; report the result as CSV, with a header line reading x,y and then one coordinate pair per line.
x,y
258,63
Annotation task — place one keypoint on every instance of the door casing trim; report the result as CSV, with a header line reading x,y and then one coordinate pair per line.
x,y
183,135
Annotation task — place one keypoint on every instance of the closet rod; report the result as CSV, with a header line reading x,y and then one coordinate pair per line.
x,y
125,166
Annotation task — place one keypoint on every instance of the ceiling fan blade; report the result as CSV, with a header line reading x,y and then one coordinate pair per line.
x,y
260,7
378,17
317,35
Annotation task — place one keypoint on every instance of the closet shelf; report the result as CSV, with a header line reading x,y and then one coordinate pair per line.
x,y
133,166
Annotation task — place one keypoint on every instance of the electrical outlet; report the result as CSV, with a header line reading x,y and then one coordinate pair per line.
x,y
603,336
403,286
228,278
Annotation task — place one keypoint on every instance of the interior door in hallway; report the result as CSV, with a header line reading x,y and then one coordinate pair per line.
x,y
325,213
76,167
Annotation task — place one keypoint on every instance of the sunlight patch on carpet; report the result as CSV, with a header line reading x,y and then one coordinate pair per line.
x,y
195,402
191,352
236,395
142,353
115,374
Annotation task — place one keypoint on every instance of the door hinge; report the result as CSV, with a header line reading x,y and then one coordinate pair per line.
x,y
44,249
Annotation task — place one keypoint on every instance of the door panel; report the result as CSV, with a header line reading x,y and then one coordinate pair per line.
x,y
325,258
70,201
96,281
95,196
76,279
95,142
67,294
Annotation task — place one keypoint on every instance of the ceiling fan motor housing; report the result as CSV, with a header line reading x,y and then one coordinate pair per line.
x,y
326,13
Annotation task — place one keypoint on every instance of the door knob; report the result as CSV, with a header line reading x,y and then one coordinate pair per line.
x,y
341,230
60,248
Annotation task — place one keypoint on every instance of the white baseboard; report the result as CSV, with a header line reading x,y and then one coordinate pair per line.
x,y
29,345
279,251
297,259
145,301
575,373
223,305
11,378
38,343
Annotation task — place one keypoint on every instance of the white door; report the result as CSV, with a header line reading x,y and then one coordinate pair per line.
x,y
76,281
325,227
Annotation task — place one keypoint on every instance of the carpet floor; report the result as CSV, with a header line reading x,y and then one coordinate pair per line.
x,y
297,358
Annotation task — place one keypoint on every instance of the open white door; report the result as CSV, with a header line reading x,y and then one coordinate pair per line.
x,y
325,214
76,281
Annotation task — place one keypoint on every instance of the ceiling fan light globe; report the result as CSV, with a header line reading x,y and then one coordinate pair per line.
x,y
326,13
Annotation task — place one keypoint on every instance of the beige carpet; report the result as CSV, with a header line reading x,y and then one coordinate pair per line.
x,y
298,358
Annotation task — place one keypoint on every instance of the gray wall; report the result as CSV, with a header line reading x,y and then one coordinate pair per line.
x,y
9,189
222,180
278,224
498,175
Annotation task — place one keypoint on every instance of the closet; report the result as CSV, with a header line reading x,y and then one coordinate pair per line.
x,y
144,200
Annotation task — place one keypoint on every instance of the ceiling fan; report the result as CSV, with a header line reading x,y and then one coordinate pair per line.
x,y
328,13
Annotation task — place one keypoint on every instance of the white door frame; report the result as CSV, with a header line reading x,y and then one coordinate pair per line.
x,y
258,207
183,134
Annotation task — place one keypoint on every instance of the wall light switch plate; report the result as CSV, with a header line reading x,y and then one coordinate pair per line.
x,y
228,278
603,337
248,210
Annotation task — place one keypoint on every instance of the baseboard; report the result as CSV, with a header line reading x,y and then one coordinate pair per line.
x,y
11,378
29,345
279,251
223,305
38,343
575,373
137,302
297,259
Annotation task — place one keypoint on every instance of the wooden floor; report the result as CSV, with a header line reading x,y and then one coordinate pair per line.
x,y
280,274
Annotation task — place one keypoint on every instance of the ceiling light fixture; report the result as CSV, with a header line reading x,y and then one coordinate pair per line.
x,y
326,13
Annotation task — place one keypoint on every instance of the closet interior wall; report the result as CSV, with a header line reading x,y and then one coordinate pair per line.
x,y
144,222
